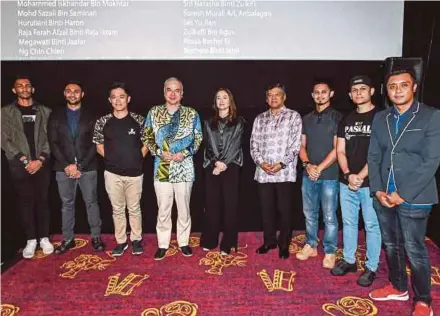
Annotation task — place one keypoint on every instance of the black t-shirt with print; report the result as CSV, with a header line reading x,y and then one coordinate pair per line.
x,y
356,129
28,115
122,146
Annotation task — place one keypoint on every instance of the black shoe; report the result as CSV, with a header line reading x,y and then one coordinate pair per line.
x,y
160,254
343,267
367,278
265,248
65,245
136,247
284,253
119,250
97,244
225,252
186,251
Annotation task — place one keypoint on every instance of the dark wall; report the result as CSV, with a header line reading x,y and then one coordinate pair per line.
x,y
246,79
422,39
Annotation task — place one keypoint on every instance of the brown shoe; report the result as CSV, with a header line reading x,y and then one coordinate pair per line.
x,y
329,261
306,253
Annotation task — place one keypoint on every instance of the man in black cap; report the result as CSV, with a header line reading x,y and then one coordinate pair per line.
x,y
352,151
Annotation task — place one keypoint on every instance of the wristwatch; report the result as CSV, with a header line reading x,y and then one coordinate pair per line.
x,y
283,166
305,164
346,175
25,162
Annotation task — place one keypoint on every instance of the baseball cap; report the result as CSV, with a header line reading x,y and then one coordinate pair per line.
x,y
362,79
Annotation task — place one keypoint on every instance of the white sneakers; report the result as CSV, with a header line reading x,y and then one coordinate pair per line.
x,y
46,246
31,246
29,250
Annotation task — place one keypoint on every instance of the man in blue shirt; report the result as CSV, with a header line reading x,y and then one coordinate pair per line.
x,y
403,157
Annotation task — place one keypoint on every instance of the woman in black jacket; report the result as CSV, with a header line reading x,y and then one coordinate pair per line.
x,y
223,158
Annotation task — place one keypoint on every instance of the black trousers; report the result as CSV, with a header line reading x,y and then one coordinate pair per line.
x,y
33,205
221,207
276,198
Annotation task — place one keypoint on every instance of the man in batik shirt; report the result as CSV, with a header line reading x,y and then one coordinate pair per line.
x,y
173,134
275,144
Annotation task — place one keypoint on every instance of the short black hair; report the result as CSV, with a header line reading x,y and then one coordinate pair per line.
x,y
396,72
22,76
119,85
276,85
322,80
76,82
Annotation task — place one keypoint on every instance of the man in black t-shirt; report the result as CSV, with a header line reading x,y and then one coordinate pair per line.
x,y
118,139
352,150
24,140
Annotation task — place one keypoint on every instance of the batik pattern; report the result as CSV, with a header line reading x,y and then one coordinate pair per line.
x,y
177,132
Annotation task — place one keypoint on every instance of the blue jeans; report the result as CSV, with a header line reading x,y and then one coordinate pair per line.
x,y
314,193
67,190
350,202
403,233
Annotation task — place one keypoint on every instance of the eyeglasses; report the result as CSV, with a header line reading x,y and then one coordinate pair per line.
x,y
274,95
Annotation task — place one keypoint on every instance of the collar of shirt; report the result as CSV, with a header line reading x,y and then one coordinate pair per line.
x,y
165,109
411,109
327,109
282,110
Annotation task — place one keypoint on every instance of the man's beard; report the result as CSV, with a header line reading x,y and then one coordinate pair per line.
x,y
25,96
319,103
76,102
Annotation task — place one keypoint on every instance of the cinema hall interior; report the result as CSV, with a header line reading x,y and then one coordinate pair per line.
x,y
220,157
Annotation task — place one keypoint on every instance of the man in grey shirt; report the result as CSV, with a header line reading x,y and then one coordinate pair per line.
x,y
320,181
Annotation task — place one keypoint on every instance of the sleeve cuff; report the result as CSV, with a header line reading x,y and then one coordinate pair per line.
x,y
185,153
259,161
19,155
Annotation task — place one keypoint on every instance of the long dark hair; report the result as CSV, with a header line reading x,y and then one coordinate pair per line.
x,y
232,115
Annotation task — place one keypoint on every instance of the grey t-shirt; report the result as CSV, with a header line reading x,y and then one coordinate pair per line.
x,y
320,128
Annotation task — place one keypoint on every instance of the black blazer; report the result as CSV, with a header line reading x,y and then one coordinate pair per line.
x,y
230,136
65,147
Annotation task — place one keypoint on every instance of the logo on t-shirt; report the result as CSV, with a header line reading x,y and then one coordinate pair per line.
x,y
131,132
28,118
358,129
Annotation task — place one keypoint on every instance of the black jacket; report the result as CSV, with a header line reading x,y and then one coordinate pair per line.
x,y
223,143
65,147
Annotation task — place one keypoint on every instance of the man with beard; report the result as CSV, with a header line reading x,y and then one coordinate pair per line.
x,y
403,157
352,149
275,143
70,136
24,140
320,184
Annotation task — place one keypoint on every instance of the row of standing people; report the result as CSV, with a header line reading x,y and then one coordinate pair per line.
x,y
387,161
172,133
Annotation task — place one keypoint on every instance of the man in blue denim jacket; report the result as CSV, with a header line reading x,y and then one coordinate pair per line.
x,y
403,156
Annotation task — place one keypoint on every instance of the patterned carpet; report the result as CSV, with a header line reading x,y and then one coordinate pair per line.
x,y
84,283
